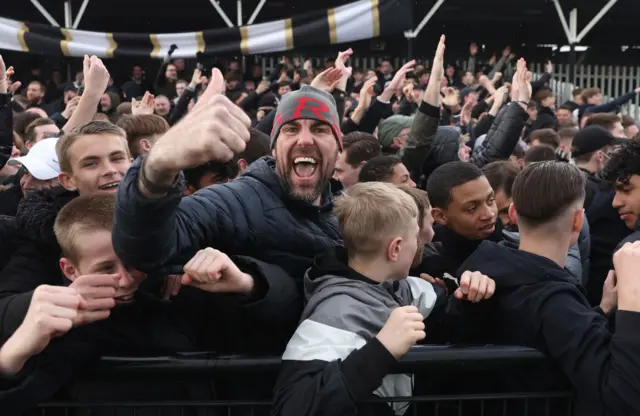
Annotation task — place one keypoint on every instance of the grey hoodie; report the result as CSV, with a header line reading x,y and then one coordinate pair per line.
x,y
344,313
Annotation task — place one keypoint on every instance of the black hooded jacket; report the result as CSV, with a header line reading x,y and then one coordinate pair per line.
x,y
35,260
538,304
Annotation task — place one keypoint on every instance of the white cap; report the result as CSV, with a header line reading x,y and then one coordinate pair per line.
x,y
41,161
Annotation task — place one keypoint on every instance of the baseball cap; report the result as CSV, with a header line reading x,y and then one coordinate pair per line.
x,y
41,161
593,138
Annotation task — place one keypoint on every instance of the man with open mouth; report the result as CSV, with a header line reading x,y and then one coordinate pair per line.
x,y
278,210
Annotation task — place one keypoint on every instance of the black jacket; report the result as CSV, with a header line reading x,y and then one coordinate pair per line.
x,y
546,119
538,304
252,215
606,229
449,251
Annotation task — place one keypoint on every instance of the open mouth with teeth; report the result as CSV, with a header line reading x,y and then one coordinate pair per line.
x,y
489,228
305,167
110,186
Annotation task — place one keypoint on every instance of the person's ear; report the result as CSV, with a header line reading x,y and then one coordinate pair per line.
x,y
68,269
242,165
513,214
145,146
273,153
394,248
189,189
397,142
578,220
28,145
67,181
439,216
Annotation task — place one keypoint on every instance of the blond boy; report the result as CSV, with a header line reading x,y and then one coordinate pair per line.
x,y
363,312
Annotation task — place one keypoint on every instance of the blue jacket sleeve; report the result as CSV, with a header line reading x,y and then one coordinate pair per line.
x,y
151,233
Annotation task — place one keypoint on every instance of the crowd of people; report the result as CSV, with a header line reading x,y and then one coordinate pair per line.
x,y
333,216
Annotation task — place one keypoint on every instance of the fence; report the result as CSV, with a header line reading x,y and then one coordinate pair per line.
x,y
461,381
613,81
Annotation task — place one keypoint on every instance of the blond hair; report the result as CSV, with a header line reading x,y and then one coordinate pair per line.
x,y
370,213
98,128
83,214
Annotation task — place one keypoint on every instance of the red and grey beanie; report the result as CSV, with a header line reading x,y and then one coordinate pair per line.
x,y
307,103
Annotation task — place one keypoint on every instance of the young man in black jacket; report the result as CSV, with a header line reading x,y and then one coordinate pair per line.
x,y
538,304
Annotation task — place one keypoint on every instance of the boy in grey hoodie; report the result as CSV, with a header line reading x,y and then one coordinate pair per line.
x,y
363,312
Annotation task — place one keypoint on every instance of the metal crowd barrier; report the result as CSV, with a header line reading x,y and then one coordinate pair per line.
x,y
449,381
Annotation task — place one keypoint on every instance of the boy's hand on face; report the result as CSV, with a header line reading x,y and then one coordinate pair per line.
x,y
474,287
213,271
98,291
403,329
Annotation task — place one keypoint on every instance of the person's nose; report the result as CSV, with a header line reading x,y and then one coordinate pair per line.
x,y
411,183
487,213
125,277
305,138
109,169
618,202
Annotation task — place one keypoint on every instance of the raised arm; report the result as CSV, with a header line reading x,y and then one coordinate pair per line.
x,y
425,124
152,221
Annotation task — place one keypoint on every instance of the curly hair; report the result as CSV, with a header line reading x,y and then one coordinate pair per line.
x,y
624,163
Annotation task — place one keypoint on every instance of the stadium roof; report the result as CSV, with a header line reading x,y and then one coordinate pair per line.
x,y
463,20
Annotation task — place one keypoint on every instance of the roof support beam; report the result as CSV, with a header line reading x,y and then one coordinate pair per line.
x,y
45,13
595,20
83,7
68,18
563,20
221,12
414,33
257,11
571,29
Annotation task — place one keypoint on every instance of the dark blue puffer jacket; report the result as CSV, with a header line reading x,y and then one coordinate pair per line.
x,y
252,215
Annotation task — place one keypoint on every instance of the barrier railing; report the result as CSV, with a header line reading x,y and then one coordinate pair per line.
x,y
449,380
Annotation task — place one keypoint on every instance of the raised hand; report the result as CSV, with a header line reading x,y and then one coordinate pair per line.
x,y
403,330
71,106
367,93
217,130
327,79
5,77
521,89
341,64
398,80
262,87
96,76
437,71
213,271
196,78
98,291
144,106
